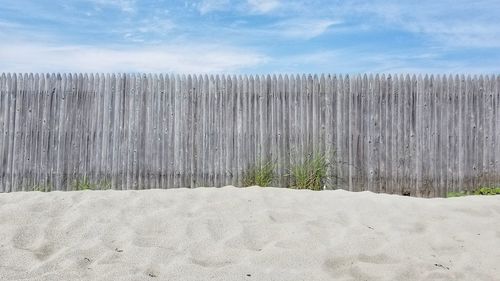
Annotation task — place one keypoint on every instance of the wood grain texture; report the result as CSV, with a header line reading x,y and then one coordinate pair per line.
x,y
422,135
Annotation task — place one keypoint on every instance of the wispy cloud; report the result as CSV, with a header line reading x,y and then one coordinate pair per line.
x,y
152,30
263,6
356,60
195,58
459,34
207,6
128,6
456,23
304,28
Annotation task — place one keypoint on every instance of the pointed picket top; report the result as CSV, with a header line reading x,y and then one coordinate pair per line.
x,y
426,80
481,81
396,80
183,79
86,79
274,79
468,79
195,82
257,80
303,77
116,79
280,77
491,76
488,77
371,77
487,84
407,78
315,77
456,79
245,80
251,78
340,77
414,78
204,78
177,80
286,78
280,83
445,79
364,77
199,78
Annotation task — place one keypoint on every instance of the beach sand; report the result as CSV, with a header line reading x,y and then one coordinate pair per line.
x,y
247,234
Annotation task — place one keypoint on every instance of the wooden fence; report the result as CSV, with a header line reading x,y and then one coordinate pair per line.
x,y
423,136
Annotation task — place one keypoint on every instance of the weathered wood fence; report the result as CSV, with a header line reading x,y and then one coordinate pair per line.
x,y
423,136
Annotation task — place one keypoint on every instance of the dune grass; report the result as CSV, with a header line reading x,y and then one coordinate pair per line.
x,y
260,175
485,190
42,188
311,173
85,184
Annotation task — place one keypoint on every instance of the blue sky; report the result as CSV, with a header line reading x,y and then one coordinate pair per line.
x,y
250,36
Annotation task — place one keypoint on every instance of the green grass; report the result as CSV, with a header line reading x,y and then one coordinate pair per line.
x,y
311,173
478,191
85,184
456,194
261,175
42,188
487,191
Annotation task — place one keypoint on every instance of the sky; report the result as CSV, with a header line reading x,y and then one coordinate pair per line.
x,y
250,36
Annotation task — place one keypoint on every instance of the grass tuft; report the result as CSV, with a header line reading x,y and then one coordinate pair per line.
x,y
85,184
310,174
456,194
478,191
42,188
487,191
262,175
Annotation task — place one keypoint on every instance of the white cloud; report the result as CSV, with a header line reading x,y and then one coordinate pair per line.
x,y
459,33
155,27
455,23
304,28
355,60
32,57
207,6
127,6
263,6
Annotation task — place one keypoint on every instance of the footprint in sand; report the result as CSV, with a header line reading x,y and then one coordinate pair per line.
x,y
352,265
44,252
27,236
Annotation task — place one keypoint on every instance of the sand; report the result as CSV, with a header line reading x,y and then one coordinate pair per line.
x,y
247,234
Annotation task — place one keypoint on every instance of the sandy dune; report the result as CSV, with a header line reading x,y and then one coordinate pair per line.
x,y
247,234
